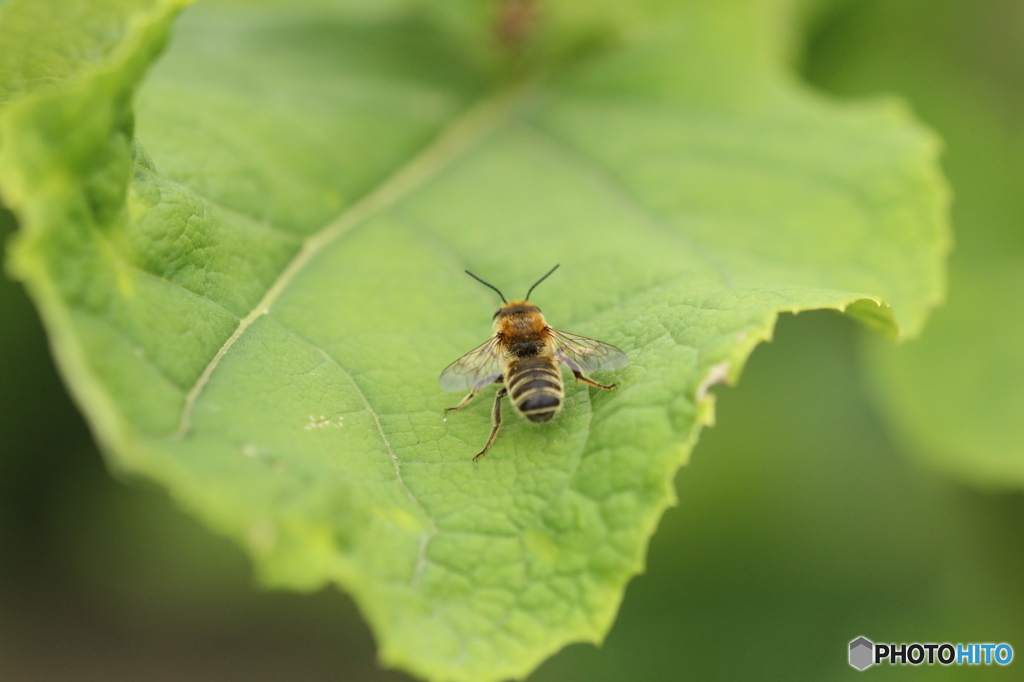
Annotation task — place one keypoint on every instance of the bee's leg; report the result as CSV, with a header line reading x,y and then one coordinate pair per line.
x,y
496,418
472,394
463,402
590,382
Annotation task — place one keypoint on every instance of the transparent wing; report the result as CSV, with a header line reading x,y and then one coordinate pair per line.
x,y
474,370
586,355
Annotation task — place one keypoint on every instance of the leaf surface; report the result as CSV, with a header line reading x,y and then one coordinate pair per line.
x,y
253,283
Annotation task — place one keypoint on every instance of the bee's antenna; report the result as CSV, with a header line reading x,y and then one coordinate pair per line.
x,y
539,281
491,285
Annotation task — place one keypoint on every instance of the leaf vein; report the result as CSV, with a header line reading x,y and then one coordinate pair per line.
x,y
425,537
473,125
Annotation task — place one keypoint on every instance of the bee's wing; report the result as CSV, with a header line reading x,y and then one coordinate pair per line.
x,y
475,369
585,355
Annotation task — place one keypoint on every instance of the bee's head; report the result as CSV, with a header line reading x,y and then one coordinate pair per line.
x,y
518,307
517,316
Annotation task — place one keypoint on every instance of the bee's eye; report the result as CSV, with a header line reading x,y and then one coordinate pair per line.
x,y
496,313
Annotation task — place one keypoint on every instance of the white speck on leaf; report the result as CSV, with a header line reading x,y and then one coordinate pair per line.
x,y
324,421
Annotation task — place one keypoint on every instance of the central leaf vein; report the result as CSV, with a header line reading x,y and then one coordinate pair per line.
x,y
458,138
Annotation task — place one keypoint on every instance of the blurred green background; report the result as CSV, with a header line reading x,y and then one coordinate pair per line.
x,y
801,525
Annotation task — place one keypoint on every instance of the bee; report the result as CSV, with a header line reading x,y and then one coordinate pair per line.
x,y
524,355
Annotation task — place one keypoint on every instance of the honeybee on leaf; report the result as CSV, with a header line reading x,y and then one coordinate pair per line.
x,y
524,355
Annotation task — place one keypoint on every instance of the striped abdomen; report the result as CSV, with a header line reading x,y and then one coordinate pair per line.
x,y
535,385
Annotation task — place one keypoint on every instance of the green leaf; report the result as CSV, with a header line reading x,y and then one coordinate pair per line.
x,y
954,396
253,300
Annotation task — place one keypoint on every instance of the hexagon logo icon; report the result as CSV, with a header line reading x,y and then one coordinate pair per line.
x,y
862,652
